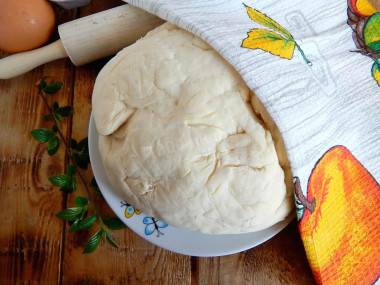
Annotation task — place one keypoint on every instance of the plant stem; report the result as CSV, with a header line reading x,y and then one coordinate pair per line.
x,y
310,206
67,148
303,55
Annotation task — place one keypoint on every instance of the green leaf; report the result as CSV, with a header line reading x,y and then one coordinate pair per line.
x,y
67,188
52,143
85,212
82,160
375,46
42,84
93,242
87,222
60,180
300,211
376,71
55,106
73,143
74,184
264,20
52,88
270,42
42,135
58,117
75,226
70,214
114,223
71,170
82,145
65,111
81,155
109,238
371,32
97,192
55,149
71,186
81,201
47,118
54,128
94,185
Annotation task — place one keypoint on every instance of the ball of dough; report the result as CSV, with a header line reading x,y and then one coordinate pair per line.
x,y
180,141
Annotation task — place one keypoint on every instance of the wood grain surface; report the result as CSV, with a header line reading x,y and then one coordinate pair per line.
x,y
36,247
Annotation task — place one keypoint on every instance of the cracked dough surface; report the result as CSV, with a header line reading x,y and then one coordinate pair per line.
x,y
180,141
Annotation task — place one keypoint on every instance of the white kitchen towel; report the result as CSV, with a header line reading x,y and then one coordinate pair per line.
x,y
315,66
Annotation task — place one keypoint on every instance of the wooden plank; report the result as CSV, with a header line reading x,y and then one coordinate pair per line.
x,y
281,260
30,234
136,261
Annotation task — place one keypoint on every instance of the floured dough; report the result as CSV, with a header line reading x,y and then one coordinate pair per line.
x,y
180,141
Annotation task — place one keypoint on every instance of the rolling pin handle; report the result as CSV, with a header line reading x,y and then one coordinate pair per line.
x,y
20,63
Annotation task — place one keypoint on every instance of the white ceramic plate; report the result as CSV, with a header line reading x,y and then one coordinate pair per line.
x,y
166,236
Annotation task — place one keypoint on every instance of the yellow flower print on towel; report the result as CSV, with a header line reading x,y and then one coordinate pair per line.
x,y
278,42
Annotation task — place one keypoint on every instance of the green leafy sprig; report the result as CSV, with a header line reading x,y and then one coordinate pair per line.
x,y
77,216
59,112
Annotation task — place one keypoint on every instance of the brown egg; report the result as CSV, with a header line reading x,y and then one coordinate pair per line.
x,y
25,24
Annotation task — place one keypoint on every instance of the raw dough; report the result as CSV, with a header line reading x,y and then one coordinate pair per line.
x,y
180,141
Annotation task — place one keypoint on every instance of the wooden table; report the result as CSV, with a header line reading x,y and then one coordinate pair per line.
x,y
36,247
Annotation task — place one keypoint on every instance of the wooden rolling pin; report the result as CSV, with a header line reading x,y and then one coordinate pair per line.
x,y
86,39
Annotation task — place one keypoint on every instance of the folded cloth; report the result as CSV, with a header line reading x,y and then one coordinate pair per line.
x,y
315,66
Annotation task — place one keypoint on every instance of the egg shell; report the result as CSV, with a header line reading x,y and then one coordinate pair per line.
x,y
25,25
